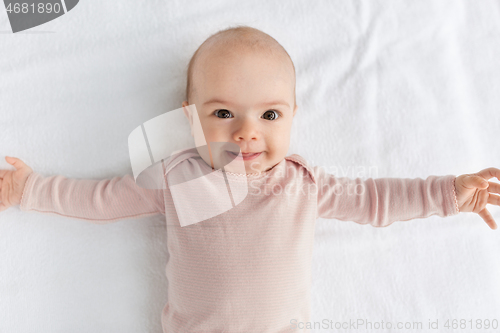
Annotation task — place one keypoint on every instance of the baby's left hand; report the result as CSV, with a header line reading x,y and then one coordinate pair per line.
x,y
473,193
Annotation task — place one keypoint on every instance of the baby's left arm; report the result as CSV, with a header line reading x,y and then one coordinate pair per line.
x,y
381,201
474,191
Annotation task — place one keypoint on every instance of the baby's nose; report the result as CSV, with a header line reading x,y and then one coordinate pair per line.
x,y
247,130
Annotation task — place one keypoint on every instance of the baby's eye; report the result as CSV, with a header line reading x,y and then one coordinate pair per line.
x,y
225,113
270,115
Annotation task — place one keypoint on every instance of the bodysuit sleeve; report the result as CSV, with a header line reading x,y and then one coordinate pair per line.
x,y
382,201
102,201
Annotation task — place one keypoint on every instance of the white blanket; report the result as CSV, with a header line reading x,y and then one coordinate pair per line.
x,y
385,89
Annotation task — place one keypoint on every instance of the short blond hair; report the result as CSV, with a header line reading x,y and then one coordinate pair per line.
x,y
237,37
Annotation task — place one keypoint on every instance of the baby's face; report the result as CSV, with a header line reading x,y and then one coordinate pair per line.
x,y
247,100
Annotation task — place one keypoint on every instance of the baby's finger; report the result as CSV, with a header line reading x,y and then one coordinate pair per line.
x,y
486,216
494,199
494,187
489,173
16,162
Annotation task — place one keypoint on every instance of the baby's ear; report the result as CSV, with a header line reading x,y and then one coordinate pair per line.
x,y
295,110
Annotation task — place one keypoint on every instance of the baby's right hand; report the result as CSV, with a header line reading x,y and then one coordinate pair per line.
x,y
12,183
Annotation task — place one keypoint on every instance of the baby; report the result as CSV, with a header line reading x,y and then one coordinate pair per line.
x,y
248,269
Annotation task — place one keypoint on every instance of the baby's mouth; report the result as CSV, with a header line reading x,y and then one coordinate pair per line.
x,y
246,156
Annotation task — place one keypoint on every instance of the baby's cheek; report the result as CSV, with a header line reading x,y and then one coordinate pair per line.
x,y
215,135
275,154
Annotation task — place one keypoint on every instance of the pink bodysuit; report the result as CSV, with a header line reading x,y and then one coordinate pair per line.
x,y
249,268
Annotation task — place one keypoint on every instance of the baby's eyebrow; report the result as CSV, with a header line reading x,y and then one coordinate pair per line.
x,y
219,101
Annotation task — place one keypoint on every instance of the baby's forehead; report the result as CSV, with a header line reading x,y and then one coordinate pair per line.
x,y
219,78
214,60
216,56
225,59
254,44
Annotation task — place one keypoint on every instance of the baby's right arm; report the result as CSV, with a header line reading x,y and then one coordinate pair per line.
x,y
95,200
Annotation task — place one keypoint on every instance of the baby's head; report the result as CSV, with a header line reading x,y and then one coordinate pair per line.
x,y
242,82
